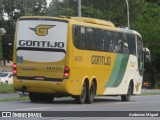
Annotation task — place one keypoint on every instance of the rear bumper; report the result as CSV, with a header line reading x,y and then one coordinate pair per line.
x,y
40,86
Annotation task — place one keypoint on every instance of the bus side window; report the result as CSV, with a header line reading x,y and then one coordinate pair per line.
x,y
98,40
118,43
132,44
114,46
107,37
82,38
76,36
89,38
111,43
125,49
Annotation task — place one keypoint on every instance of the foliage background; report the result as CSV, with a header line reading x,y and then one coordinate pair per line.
x,y
144,17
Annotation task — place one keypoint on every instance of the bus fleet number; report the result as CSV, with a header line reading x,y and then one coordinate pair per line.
x,y
54,68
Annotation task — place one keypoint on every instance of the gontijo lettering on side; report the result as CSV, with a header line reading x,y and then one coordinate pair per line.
x,y
101,60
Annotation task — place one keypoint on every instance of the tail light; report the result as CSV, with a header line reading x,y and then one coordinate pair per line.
x,y
14,69
66,72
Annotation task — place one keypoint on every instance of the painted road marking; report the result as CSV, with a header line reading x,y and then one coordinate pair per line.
x,y
34,108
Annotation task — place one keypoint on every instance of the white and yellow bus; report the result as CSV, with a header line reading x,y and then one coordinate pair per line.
x,y
76,56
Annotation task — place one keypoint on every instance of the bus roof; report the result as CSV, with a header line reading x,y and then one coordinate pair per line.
x,y
94,21
130,31
84,19
80,19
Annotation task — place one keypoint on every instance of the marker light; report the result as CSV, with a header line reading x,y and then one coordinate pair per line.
x,y
66,72
14,69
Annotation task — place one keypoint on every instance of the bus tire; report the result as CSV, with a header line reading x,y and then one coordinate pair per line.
x,y
128,95
33,97
80,99
91,93
46,98
50,99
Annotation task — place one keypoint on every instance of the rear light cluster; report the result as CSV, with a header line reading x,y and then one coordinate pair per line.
x,y
66,72
14,69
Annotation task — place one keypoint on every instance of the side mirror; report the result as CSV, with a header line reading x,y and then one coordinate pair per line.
x,y
147,55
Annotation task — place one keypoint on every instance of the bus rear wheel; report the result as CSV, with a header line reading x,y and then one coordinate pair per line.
x,y
33,97
129,93
46,98
91,93
80,99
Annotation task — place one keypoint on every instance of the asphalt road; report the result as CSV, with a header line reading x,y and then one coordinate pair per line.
x,y
137,103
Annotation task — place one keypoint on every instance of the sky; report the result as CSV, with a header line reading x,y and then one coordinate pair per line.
x,y
48,1
5,15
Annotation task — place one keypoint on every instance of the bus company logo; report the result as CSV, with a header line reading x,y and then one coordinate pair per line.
x,y
42,30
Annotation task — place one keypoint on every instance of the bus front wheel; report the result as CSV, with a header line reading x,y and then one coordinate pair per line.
x,y
128,95
80,99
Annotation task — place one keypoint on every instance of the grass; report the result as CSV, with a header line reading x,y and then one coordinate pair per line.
x,y
14,99
6,88
151,93
158,87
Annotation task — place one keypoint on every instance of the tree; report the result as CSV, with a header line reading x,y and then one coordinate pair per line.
x,y
154,1
0,46
70,8
144,16
2,32
65,8
17,8
111,10
14,10
149,27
